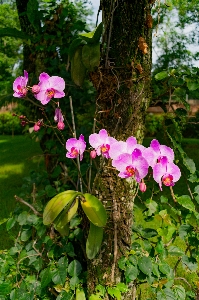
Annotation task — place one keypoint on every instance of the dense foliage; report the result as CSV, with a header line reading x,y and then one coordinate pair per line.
x,y
55,246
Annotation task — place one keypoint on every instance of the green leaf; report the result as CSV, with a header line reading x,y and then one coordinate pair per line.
x,y
57,204
189,163
101,289
93,36
190,262
94,210
197,198
5,289
25,235
61,222
186,202
46,277
192,85
163,199
152,207
78,70
50,191
91,56
149,232
4,220
10,223
22,218
114,292
74,268
196,189
95,297
65,296
155,270
74,281
122,263
184,230
161,75
145,265
122,287
175,251
160,247
131,273
94,241
80,295
74,45
166,294
179,292
63,229
33,14
13,32
59,276
164,268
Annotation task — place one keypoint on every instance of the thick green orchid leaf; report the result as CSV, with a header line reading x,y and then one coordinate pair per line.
x,y
61,222
74,45
94,241
78,70
91,56
93,36
13,32
62,229
94,210
57,204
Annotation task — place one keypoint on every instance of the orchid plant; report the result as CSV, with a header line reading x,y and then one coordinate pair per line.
x,y
129,158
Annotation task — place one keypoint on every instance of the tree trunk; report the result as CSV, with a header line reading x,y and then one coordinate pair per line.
x,y
123,85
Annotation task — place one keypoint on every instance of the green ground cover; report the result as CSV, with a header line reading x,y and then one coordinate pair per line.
x,y
18,156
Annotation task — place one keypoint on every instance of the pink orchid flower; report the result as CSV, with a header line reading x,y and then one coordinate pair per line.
x,y
120,147
20,86
131,165
50,87
155,152
165,172
101,142
75,147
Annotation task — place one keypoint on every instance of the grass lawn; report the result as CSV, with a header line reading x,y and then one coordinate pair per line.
x,y
18,156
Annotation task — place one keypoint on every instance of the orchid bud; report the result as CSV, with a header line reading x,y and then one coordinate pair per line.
x,y
35,89
36,127
22,117
23,123
60,125
93,154
142,187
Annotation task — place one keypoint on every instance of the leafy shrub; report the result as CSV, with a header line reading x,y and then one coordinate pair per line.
x,y
191,129
153,124
41,264
9,124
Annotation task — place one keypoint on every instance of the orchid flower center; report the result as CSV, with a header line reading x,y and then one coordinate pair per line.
x,y
168,180
105,148
22,90
130,171
50,93
74,152
159,159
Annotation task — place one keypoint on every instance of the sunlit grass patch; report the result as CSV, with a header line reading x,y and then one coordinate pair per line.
x,y
18,156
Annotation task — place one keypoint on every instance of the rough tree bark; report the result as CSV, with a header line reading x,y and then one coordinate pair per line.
x,y
123,96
